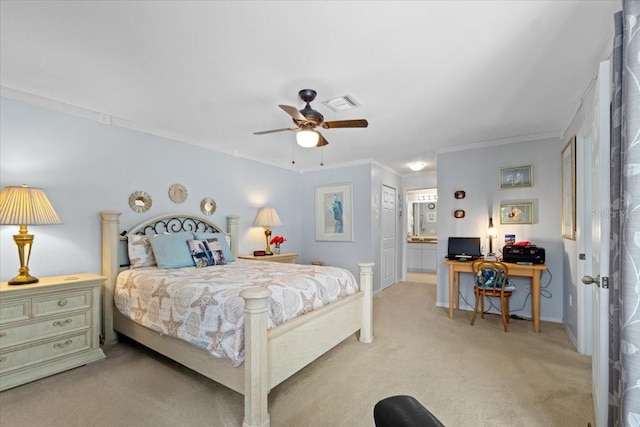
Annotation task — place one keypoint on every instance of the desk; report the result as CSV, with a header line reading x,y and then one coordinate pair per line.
x,y
517,270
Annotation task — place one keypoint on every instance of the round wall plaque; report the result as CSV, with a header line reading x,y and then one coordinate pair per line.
x,y
458,213
178,193
459,194
140,201
208,206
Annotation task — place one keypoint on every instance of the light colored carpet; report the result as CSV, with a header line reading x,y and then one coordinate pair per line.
x,y
466,375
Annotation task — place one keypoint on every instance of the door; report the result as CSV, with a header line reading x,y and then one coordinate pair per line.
x,y
600,234
388,236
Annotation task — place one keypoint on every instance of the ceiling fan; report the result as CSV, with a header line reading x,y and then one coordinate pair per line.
x,y
307,119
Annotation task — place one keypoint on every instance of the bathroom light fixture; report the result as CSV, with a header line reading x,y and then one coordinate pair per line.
x,y
307,137
417,166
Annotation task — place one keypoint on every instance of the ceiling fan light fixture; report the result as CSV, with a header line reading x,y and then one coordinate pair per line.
x,y
307,138
417,166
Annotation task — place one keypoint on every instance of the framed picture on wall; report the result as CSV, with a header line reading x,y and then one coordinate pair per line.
x,y
516,213
516,177
334,213
569,190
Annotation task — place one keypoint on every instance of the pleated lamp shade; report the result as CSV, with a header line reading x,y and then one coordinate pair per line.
x,y
267,217
26,206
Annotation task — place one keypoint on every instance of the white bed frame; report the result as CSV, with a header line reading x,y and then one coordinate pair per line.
x,y
271,356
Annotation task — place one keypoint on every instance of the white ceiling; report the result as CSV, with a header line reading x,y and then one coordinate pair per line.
x,y
430,75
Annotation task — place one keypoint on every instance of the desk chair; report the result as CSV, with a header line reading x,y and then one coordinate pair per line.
x,y
491,280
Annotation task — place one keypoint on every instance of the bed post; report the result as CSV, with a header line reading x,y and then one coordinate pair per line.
x,y
110,263
366,285
232,229
256,380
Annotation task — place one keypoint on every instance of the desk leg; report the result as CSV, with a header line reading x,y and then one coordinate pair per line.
x,y
451,287
456,290
535,300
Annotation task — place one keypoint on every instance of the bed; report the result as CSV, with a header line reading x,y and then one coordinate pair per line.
x,y
270,354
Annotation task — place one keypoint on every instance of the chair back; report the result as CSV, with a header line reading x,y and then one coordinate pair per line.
x,y
492,276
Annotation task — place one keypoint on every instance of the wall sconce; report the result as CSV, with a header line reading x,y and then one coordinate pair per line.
x,y
25,206
267,218
491,234
307,137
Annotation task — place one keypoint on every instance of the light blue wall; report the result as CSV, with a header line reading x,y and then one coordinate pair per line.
x,y
85,167
476,172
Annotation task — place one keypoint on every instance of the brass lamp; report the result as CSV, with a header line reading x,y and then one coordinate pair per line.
x,y
491,234
267,218
25,206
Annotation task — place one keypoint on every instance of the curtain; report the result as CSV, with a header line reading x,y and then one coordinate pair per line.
x,y
624,274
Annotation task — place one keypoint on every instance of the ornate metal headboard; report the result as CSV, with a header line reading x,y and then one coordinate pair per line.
x,y
174,224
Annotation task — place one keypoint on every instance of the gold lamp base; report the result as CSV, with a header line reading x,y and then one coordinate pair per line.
x,y
24,240
267,236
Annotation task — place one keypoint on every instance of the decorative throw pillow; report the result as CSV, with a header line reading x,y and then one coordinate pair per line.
x,y
206,252
171,250
140,252
223,241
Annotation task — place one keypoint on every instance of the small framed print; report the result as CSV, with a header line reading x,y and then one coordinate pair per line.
x,y
334,213
516,177
459,213
516,213
460,194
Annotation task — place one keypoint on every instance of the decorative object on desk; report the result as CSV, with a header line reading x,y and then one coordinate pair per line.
x,y
267,217
516,213
458,213
334,213
516,177
178,193
509,239
459,194
140,201
569,190
25,206
277,241
491,234
208,206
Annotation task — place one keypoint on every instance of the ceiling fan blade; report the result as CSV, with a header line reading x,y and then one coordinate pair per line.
x,y
273,131
361,123
293,112
321,142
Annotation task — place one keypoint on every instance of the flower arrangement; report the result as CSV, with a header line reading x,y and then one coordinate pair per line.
x,y
277,240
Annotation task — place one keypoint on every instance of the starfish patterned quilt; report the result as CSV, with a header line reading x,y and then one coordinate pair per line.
x,y
203,305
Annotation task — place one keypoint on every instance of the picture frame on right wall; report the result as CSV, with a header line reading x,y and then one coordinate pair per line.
x,y
569,190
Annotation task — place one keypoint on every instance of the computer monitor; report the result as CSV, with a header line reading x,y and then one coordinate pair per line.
x,y
464,247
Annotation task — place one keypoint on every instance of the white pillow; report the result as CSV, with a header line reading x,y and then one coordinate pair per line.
x,y
140,252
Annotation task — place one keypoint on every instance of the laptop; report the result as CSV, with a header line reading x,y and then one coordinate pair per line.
x,y
464,248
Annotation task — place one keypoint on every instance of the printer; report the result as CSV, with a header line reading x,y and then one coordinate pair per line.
x,y
529,254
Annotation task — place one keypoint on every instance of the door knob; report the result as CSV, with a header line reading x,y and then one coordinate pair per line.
x,y
588,280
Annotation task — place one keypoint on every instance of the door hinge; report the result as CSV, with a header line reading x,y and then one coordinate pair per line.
x,y
605,283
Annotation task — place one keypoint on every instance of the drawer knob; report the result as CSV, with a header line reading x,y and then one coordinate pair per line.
x,y
62,323
63,344
62,302
3,334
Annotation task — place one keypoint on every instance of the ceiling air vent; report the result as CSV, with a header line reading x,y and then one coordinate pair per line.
x,y
342,103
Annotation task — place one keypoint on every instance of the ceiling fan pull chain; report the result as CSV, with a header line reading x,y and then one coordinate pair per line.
x,y
293,153
321,156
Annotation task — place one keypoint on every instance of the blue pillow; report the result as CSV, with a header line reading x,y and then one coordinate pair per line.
x,y
222,239
172,250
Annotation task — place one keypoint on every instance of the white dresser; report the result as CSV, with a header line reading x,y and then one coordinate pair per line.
x,y
48,327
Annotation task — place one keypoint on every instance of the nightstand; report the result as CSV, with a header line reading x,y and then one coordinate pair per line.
x,y
48,327
285,258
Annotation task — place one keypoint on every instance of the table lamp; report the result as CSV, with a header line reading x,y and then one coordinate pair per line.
x,y
491,234
25,206
267,218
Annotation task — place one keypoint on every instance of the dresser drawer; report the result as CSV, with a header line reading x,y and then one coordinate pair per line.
x,y
13,311
24,357
26,332
60,303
